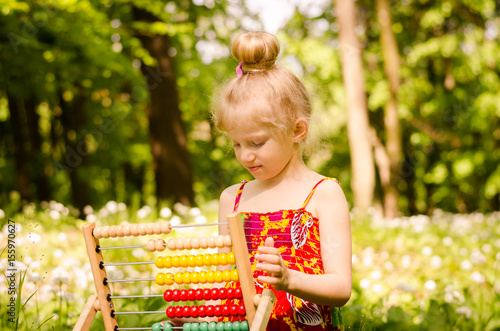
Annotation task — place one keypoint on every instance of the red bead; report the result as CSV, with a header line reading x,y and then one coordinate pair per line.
x,y
178,312
237,293
214,295
194,311
175,295
241,310
218,310
183,295
167,295
234,310
230,293
186,311
222,293
198,294
190,294
225,310
206,294
170,312
209,311
202,311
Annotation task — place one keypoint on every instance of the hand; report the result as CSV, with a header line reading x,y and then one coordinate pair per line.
x,y
273,264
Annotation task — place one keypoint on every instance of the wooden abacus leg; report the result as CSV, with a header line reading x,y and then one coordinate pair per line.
x,y
87,315
264,309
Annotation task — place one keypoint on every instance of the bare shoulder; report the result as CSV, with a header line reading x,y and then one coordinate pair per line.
x,y
229,194
329,200
329,189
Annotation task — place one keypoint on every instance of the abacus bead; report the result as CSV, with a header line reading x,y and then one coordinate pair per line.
x,y
230,258
186,278
179,243
183,295
193,277
191,261
171,244
225,310
198,294
211,242
233,310
119,231
226,275
228,326
222,293
218,276
186,327
160,279
219,241
202,311
195,243
193,311
176,295
170,313
168,326
243,326
178,312
126,230
236,326
241,310
206,294
222,258
237,293
214,259
186,311
207,260
202,277
165,227
211,326
134,231
167,262
167,295
97,232
187,243
214,294
157,228
195,326
150,229
203,242
175,261
220,326
178,278
105,232
142,229
218,310
157,327
199,260
183,261
209,310
227,241
191,294
210,277
160,245
159,262
203,326
169,279
150,245
112,231
234,275
230,293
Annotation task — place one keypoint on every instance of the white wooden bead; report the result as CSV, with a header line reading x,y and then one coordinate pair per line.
x,y
112,231
187,243
160,245
171,244
134,229
204,242
211,242
97,232
150,245
179,243
126,230
227,241
219,241
150,229
157,227
165,227
119,231
195,243
105,232
142,229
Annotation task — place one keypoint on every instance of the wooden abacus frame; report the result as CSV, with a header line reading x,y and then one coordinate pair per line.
x,y
258,307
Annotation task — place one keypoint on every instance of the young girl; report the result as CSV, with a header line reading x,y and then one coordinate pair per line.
x,y
296,221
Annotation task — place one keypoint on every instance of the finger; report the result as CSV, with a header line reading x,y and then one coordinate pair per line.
x,y
269,258
269,242
268,250
268,280
273,269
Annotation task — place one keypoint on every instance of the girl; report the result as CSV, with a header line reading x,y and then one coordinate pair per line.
x,y
297,221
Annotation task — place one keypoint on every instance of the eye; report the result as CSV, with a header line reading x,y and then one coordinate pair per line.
x,y
236,145
257,144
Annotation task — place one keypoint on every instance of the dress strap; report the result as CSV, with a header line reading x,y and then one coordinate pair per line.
x,y
314,189
238,195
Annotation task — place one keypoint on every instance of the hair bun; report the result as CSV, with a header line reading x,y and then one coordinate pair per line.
x,y
256,50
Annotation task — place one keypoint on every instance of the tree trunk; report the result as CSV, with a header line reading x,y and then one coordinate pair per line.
x,y
391,120
171,159
363,169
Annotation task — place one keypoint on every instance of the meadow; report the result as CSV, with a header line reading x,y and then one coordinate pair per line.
x,y
435,272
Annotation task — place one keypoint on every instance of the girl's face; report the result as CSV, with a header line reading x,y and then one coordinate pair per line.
x,y
260,150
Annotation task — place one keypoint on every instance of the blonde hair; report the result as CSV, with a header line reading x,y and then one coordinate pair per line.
x,y
266,93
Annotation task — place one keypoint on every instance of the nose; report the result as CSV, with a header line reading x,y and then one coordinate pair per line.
x,y
246,155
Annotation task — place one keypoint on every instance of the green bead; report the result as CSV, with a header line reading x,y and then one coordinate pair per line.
x,y
244,326
195,326
236,326
186,327
211,326
220,326
203,326
228,326
168,327
157,327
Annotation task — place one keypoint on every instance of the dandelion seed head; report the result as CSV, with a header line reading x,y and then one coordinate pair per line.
x,y
430,285
477,277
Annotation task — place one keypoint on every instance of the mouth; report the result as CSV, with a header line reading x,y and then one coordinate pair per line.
x,y
254,169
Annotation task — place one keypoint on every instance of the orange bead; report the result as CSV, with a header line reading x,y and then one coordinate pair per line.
x,y
183,262
159,262
226,275
222,258
175,261
186,278
165,227
234,275
230,258
97,232
160,279
178,278
126,230
134,229
167,262
119,231
199,260
210,277
193,277
202,277
214,259
218,276
150,245
169,279
160,245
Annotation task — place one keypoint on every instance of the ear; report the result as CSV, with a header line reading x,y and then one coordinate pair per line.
x,y
300,127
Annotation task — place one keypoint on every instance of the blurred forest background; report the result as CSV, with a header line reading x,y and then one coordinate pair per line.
x,y
110,100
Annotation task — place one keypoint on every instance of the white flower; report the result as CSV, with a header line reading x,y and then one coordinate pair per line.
x,y
430,285
34,237
464,310
388,266
377,288
122,206
62,236
477,277
58,253
194,211
436,262
447,241
406,261
364,283
143,212
466,265
367,261
138,253
405,287
487,248
476,257
91,218
200,219
427,250
112,206
376,274
175,220
180,208
88,210
165,212
60,275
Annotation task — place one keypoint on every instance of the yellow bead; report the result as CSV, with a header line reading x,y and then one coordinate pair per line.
x,y
160,279
226,275
175,261
222,258
194,278
169,279
218,276
207,260
178,278
202,277
230,258
159,262
186,278
234,275
214,259
183,261
199,260
210,277
167,262
191,261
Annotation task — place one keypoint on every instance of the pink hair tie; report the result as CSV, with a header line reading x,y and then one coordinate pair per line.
x,y
239,70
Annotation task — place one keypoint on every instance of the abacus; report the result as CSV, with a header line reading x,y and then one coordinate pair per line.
x,y
256,308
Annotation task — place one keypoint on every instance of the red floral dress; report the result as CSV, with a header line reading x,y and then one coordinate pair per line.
x,y
296,235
